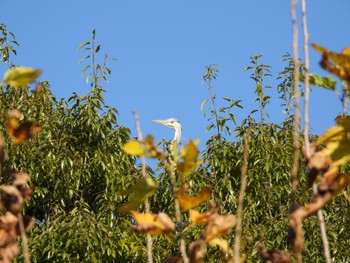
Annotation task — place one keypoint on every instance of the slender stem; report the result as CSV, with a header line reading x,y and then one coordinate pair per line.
x,y
294,171
178,211
242,190
24,238
323,229
144,174
306,128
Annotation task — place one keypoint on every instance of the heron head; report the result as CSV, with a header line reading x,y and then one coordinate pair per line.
x,y
171,123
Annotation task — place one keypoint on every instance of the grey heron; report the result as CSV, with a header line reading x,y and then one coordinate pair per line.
x,y
175,125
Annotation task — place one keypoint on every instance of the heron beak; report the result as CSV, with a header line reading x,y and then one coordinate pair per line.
x,y
159,121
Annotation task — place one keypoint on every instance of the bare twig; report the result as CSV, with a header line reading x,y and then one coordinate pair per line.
x,y
242,190
177,210
144,174
306,128
294,171
24,238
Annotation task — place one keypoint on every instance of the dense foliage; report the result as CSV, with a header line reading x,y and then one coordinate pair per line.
x,y
77,166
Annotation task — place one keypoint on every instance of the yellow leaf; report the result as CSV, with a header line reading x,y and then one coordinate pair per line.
x,y
198,218
190,152
342,181
21,76
142,190
134,148
153,223
337,142
187,201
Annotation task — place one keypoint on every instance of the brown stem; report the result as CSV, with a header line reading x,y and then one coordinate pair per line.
x,y
144,174
294,171
242,190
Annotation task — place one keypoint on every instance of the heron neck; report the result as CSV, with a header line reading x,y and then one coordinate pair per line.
x,y
177,135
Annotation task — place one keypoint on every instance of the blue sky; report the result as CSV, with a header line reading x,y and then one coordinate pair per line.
x,y
162,47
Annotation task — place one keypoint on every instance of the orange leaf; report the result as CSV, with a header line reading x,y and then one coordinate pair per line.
x,y
21,132
187,201
152,223
198,218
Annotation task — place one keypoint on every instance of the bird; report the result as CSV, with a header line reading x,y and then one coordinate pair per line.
x,y
175,125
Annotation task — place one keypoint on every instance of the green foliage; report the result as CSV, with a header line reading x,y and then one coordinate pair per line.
x,y
78,167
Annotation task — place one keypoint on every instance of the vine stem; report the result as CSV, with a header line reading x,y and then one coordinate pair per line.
x,y
294,171
144,174
306,127
24,238
241,195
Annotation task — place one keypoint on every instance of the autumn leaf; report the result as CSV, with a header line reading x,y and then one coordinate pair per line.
x,y
337,142
21,132
223,244
189,154
143,189
335,63
21,76
134,148
152,223
187,201
198,218
219,225
143,148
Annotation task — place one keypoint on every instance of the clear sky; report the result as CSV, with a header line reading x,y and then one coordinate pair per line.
x,y
162,47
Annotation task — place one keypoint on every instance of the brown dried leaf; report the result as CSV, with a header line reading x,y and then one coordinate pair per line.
x,y
11,199
8,253
219,225
8,224
21,132
152,223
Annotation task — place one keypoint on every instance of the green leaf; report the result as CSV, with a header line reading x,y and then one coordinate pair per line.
x,y
21,76
83,45
323,82
203,103
143,189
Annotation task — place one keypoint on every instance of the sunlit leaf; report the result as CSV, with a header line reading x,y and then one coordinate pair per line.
x,y
143,189
153,223
198,218
189,154
337,142
342,181
21,76
203,103
187,201
134,148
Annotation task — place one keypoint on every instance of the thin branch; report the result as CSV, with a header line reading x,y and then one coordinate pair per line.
x,y
237,244
178,211
294,171
24,238
306,128
144,174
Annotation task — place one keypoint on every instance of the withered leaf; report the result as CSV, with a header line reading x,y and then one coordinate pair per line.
x,y
12,199
152,223
219,225
197,251
21,132
274,256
